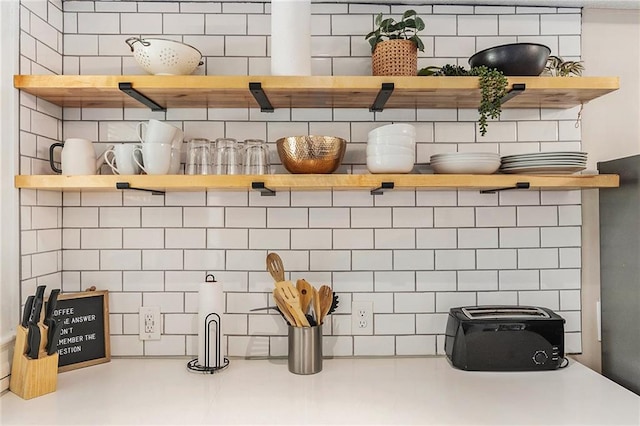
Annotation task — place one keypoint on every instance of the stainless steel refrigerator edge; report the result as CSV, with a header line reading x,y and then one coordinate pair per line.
x,y
620,273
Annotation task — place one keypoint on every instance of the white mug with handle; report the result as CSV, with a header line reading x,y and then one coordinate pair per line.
x,y
156,158
156,131
121,159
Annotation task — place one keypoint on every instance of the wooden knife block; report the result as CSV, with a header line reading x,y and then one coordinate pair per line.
x,y
31,378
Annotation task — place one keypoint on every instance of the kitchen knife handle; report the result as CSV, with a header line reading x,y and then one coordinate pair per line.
x,y
26,314
52,303
53,336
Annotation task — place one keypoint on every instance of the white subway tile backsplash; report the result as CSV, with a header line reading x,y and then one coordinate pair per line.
x,y
547,299
519,24
537,216
414,302
569,215
446,301
394,324
334,260
453,217
204,260
415,260
537,258
287,217
431,323
564,279
440,24
373,345
477,280
394,238
110,217
455,259
478,238
371,260
561,237
387,281
519,237
570,257
141,281
456,248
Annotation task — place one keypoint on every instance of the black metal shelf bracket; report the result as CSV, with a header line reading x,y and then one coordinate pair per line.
x,y
519,185
126,185
383,187
261,97
129,90
383,96
516,90
264,191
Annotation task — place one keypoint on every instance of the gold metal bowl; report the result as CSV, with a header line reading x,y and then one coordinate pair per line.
x,y
311,154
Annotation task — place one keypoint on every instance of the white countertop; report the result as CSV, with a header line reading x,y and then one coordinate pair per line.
x,y
393,391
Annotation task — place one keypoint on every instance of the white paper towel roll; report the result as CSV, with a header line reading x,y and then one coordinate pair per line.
x,y
211,301
290,37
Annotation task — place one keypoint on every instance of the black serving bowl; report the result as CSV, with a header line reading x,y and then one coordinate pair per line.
x,y
513,59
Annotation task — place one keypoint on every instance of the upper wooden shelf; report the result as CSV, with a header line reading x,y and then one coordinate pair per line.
x,y
96,91
287,182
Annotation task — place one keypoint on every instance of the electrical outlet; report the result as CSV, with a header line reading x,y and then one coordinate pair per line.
x,y
149,323
361,317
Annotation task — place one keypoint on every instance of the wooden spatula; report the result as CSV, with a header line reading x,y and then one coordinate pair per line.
x,y
290,295
283,307
316,305
326,298
305,290
275,266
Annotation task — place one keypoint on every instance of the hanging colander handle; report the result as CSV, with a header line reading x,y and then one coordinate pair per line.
x,y
131,40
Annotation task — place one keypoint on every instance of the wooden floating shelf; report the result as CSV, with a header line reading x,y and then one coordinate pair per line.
x,y
96,91
287,182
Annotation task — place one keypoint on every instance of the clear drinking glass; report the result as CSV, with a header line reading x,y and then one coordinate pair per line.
x,y
199,157
227,158
256,157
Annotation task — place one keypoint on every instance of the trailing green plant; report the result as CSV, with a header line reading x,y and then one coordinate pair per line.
x,y
405,29
558,67
493,87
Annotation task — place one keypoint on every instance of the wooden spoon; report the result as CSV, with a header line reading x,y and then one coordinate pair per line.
x,y
275,266
316,305
306,294
290,296
326,298
283,308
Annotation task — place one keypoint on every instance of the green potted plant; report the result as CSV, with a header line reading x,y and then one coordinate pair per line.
x,y
395,44
493,87
558,67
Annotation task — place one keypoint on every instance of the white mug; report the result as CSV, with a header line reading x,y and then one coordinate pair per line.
x,y
176,152
78,157
156,132
121,159
156,158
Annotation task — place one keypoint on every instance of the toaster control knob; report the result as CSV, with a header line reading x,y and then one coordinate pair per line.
x,y
540,357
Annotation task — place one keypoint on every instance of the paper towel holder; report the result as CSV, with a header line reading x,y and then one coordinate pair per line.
x,y
212,318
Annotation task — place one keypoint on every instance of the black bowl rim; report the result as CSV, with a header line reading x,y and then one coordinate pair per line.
x,y
506,45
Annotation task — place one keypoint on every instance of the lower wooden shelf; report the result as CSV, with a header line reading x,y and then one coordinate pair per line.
x,y
288,182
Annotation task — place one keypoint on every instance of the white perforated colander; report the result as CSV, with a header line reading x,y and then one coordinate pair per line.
x,y
164,57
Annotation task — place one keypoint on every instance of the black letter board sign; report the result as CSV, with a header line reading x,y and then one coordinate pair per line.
x,y
84,336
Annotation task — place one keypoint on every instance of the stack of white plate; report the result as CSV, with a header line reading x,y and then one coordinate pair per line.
x,y
545,162
482,163
391,149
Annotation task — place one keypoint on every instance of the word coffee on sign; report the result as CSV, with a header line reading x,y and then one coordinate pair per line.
x,y
84,335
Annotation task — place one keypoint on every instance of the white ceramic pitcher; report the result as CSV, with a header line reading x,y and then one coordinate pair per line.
x,y
78,157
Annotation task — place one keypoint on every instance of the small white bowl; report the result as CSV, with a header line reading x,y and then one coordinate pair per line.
x,y
466,167
393,129
389,150
398,139
390,163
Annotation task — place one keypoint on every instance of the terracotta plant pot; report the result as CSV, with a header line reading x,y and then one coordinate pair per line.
x,y
395,57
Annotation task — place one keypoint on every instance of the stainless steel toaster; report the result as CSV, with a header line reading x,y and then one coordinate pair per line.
x,y
504,338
